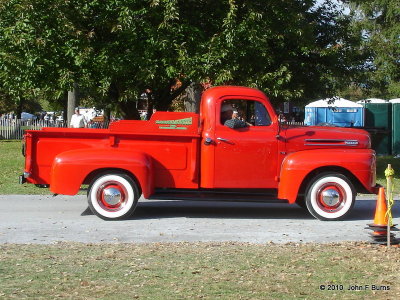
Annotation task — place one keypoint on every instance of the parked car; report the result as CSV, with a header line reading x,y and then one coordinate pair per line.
x,y
27,116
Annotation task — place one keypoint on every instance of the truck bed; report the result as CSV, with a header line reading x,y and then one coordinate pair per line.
x,y
170,139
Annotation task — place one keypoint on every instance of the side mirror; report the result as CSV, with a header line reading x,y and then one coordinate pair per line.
x,y
277,119
281,118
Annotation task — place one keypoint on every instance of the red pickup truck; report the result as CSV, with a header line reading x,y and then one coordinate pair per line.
x,y
234,150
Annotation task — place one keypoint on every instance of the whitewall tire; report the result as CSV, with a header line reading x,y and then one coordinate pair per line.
x,y
330,196
113,196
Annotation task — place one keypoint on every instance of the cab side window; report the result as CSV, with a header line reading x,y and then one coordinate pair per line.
x,y
243,113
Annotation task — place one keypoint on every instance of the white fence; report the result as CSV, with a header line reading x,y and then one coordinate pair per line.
x,y
13,129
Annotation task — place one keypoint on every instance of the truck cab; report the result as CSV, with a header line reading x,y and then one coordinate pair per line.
x,y
246,157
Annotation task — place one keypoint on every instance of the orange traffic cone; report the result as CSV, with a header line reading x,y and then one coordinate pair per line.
x,y
380,234
381,218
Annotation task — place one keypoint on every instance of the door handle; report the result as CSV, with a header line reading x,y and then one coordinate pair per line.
x,y
225,140
222,140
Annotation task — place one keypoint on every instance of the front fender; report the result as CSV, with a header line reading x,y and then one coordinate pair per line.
x,y
70,168
296,166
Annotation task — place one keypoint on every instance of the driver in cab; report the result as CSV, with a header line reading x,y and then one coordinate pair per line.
x,y
229,117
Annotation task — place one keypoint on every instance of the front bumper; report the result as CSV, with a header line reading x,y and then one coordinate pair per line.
x,y
375,189
22,179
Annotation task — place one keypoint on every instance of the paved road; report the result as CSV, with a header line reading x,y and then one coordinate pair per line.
x,y
44,219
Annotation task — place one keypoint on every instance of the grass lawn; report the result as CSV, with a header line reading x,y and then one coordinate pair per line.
x,y
199,271
12,164
382,163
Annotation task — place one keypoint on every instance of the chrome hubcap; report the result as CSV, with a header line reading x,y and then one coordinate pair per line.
x,y
330,197
112,196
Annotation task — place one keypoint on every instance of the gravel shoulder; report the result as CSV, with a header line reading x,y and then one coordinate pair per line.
x,y
46,219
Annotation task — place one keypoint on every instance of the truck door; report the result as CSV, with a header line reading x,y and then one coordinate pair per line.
x,y
245,146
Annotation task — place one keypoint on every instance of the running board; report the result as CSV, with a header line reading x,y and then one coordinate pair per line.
x,y
217,195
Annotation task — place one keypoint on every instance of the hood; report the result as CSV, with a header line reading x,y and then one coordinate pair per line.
x,y
318,137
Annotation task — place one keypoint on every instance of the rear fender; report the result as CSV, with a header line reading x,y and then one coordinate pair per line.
x,y
70,168
361,163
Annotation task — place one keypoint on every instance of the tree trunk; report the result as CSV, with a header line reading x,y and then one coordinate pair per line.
x,y
128,109
18,113
150,104
164,97
107,114
192,102
65,108
72,102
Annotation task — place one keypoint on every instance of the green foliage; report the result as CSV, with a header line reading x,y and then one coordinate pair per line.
x,y
6,103
290,49
378,21
116,49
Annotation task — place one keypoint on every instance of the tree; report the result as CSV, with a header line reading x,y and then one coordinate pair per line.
x,y
6,103
378,22
118,49
33,52
293,50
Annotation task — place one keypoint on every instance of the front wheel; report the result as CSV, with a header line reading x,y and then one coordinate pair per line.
x,y
113,196
330,196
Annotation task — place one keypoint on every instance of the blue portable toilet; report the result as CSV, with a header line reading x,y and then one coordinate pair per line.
x,y
335,111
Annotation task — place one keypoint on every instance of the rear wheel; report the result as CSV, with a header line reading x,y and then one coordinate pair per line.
x,y
113,196
330,196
